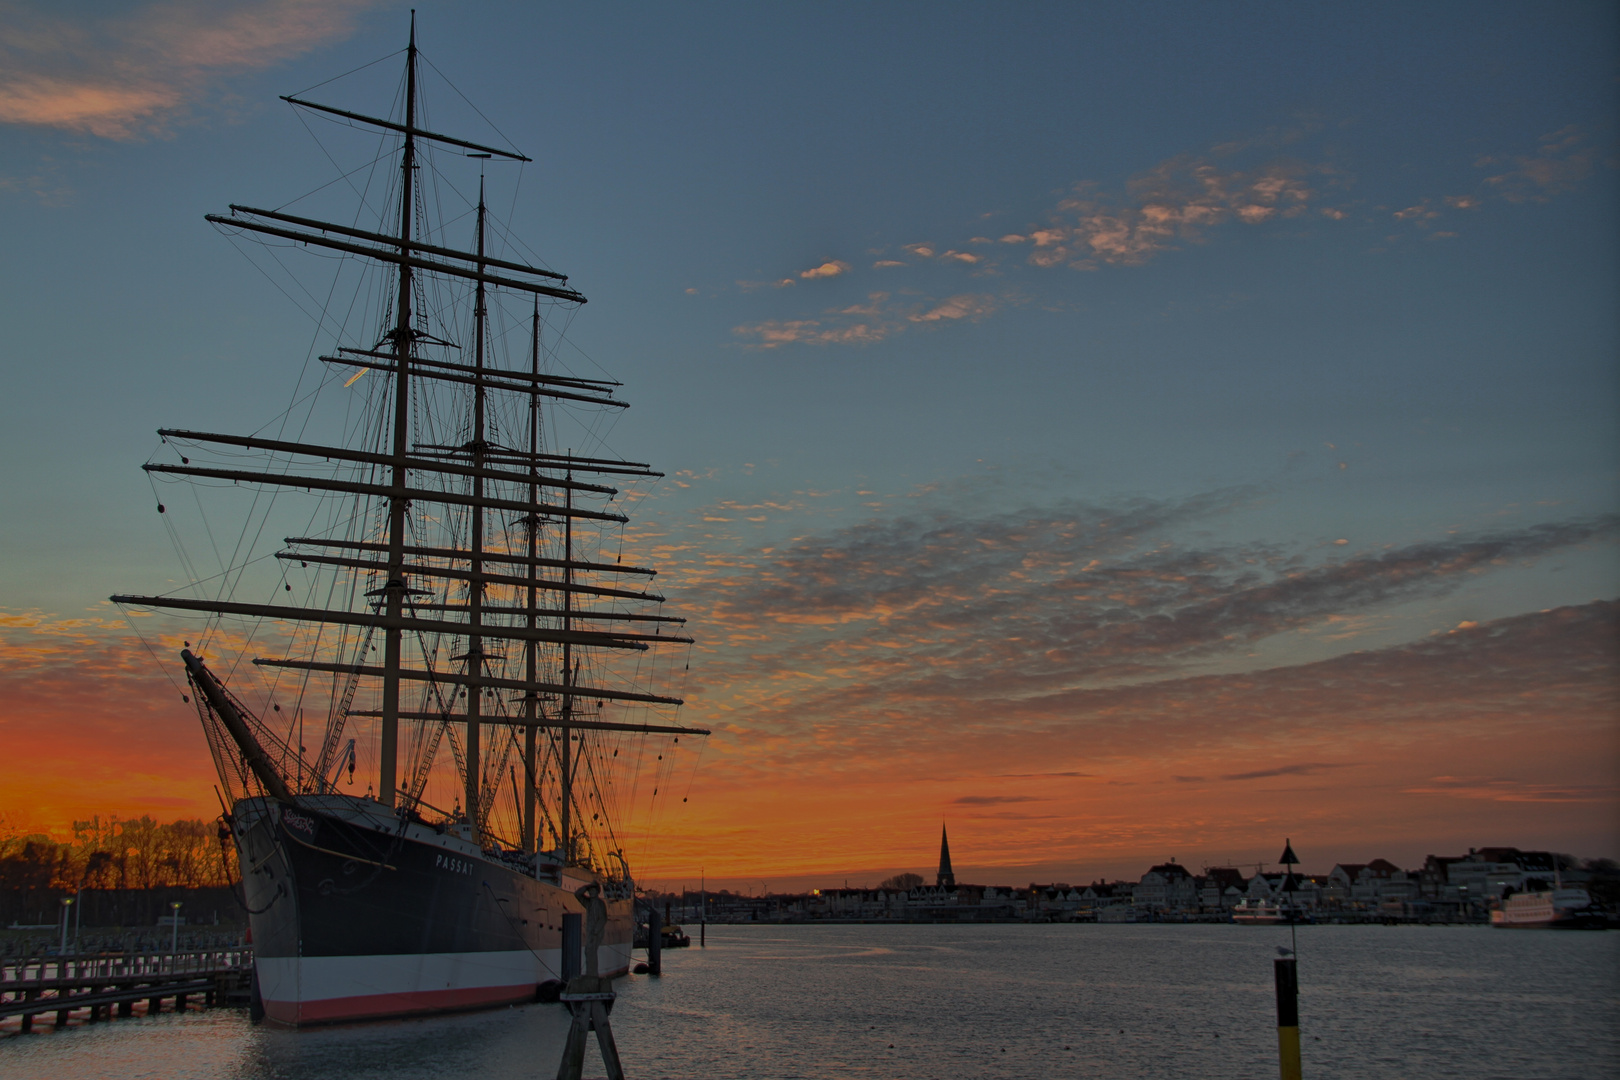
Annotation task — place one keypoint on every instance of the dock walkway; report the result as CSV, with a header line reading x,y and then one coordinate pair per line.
x,y
101,982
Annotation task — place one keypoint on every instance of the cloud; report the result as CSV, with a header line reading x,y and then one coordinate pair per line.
x,y
888,671
993,800
1508,790
831,268
945,649
1506,728
865,324
1178,200
972,308
773,333
120,77
1305,769
1181,201
1562,161
94,723
1058,595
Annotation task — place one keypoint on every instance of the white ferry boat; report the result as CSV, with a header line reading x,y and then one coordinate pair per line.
x,y
1554,908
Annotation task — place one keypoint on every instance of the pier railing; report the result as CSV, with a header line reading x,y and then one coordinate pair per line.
x,y
98,982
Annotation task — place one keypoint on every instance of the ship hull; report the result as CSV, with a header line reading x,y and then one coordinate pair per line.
x,y
357,916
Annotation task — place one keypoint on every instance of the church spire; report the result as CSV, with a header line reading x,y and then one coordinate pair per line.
x,y
947,878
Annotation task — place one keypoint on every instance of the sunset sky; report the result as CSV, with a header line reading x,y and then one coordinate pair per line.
x,y
1120,431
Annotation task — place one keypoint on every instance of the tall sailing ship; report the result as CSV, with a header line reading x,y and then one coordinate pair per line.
x,y
455,584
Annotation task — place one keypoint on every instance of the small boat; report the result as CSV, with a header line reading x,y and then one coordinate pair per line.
x,y
1548,909
673,937
1257,911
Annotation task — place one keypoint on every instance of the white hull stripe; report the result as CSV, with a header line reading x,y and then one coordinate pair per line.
x,y
322,989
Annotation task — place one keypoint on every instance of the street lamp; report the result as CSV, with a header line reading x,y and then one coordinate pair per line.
x,y
67,902
174,925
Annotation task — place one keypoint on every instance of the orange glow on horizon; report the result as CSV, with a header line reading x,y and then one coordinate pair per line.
x,y
1392,755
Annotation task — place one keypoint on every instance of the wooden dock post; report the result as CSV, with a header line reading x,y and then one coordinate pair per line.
x,y
573,944
1287,975
655,941
590,1014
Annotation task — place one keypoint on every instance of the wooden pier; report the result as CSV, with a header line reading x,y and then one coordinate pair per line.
x,y
109,984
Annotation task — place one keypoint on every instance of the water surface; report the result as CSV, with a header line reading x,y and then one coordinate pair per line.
x,y
969,1001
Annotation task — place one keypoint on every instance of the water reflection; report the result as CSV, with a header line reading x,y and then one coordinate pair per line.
x,y
986,1001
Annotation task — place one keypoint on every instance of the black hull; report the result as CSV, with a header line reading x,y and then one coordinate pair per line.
x,y
356,916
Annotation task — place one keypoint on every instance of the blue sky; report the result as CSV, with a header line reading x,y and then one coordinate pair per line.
x,y
1331,272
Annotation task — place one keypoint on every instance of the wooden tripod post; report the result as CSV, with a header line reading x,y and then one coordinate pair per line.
x,y
590,1014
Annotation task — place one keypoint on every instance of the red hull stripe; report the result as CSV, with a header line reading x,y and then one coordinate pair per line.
x,y
375,1006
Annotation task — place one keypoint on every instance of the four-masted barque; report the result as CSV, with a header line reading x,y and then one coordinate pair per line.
x,y
454,584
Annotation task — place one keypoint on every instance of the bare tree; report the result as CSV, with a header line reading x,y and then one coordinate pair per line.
x,y
903,882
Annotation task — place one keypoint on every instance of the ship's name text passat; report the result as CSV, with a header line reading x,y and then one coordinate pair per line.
x,y
452,864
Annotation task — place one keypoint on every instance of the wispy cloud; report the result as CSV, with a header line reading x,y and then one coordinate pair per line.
x,y
137,72
830,268
1181,201
865,324
1302,769
956,605
934,652
1177,201
939,700
994,800
1563,159
971,307
1509,790
1561,162
1512,719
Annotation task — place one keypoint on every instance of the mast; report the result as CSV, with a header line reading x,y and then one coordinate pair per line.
x,y
400,548
531,649
475,582
394,590
566,758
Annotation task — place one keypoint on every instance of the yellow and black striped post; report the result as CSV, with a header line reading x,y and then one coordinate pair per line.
x,y
1288,1018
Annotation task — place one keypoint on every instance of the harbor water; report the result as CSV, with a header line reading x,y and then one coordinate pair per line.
x,y
968,1001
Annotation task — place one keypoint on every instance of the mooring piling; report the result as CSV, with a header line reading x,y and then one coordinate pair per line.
x,y
1287,975
655,941
573,945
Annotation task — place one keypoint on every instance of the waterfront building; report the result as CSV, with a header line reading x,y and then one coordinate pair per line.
x,y
1220,888
1361,886
859,904
1100,895
1167,887
1480,879
1058,902
1306,892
